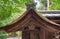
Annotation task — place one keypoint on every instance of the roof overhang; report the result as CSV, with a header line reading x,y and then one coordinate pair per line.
x,y
32,16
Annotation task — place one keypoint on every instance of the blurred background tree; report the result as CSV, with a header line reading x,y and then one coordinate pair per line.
x,y
54,4
3,35
11,9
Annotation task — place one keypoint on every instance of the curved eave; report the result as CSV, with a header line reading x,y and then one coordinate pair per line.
x,y
41,20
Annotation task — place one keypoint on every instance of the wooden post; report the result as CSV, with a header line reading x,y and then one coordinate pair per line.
x,y
32,35
25,34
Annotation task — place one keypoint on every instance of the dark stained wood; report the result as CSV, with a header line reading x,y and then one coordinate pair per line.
x,y
54,19
34,26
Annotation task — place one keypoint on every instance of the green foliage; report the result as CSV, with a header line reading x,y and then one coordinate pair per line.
x,y
3,35
9,10
7,7
55,5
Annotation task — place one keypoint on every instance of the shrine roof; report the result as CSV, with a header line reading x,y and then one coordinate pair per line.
x,y
28,15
